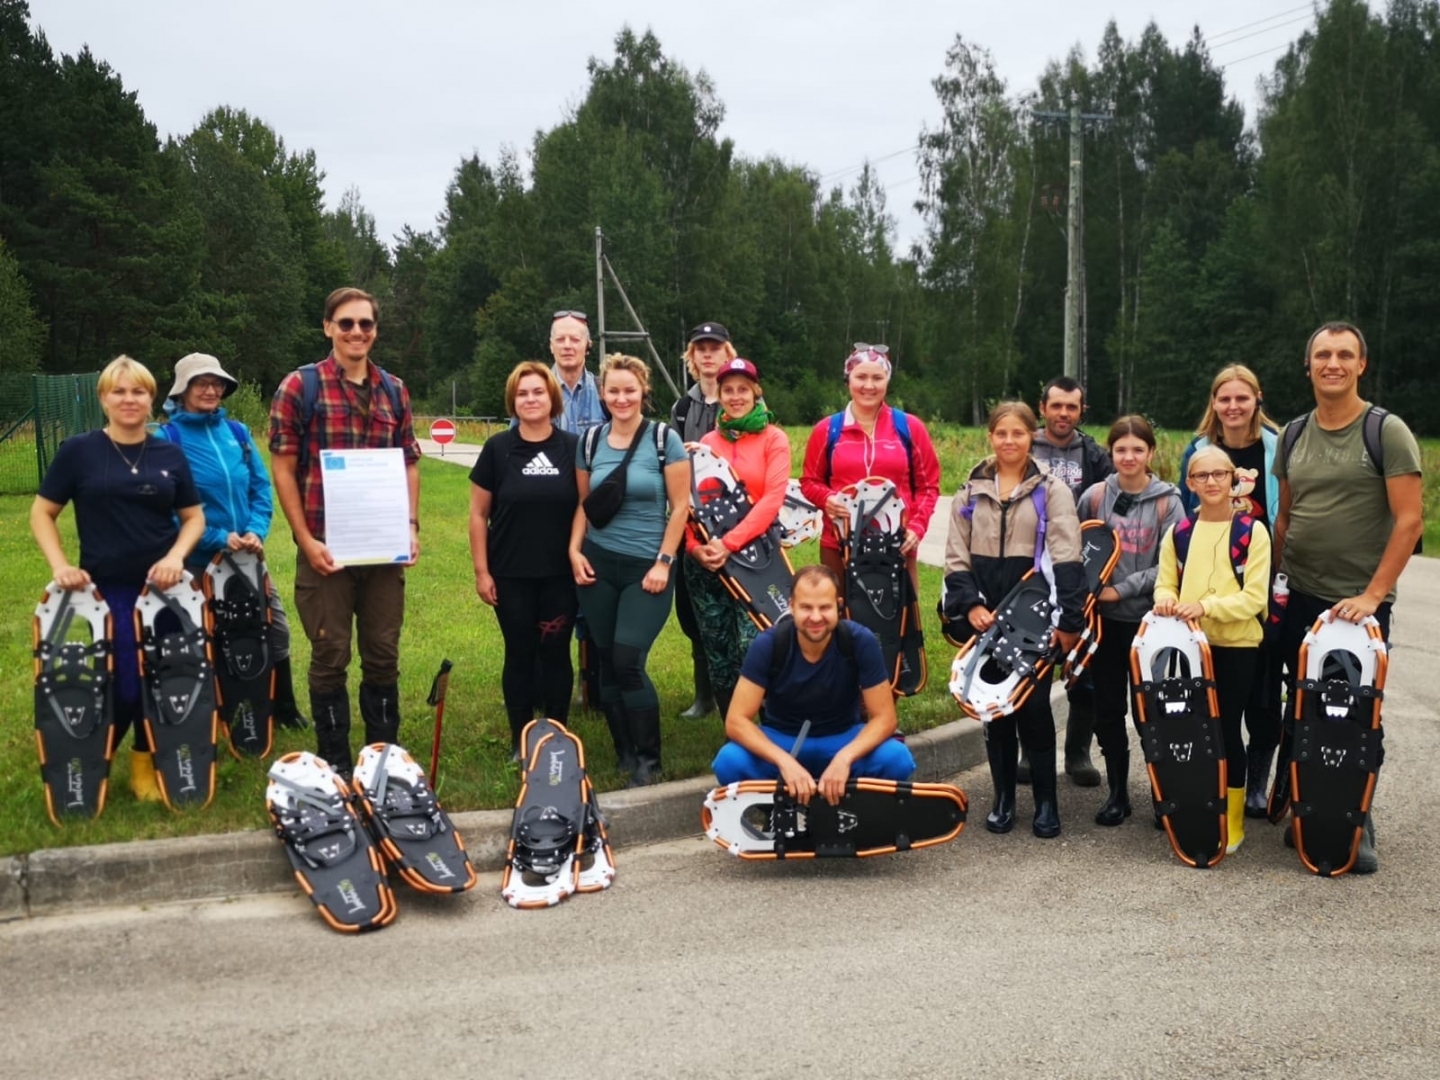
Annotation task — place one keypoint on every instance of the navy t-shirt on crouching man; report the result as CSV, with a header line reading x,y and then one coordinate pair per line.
x,y
826,693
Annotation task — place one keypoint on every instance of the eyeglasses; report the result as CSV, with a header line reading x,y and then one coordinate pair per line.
x,y
571,315
346,325
208,386
1218,475
861,346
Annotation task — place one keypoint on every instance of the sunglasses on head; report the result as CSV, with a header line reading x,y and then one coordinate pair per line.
x,y
346,325
571,315
861,346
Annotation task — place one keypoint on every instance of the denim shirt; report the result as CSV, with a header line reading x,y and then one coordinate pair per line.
x,y
582,405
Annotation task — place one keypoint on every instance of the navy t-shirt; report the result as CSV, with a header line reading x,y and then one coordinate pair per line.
x,y
827,693
126,520
533,491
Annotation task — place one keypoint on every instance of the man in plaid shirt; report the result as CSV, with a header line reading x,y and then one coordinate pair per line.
x,y
353,410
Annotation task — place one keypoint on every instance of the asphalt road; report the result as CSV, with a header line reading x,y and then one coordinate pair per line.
x,y
1097,954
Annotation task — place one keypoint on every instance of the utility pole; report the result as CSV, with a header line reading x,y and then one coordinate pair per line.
x,y
603,267
1078,123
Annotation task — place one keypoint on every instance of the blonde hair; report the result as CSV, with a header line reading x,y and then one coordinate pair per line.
x,y
633,364
118,369
1210,425
725,347
1206,453
533,367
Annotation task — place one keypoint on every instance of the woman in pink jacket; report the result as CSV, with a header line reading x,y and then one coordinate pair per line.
x,y
870,438
759,453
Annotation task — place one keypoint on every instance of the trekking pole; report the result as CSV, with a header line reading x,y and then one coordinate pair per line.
x,y
436,700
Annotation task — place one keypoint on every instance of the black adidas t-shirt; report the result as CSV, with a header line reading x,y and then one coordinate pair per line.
x,y
533,497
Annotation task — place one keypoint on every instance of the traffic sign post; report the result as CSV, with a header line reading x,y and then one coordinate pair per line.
x,y
442,431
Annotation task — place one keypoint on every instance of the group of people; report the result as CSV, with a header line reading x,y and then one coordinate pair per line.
x,y
578,519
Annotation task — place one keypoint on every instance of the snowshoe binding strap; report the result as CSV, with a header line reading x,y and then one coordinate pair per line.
x,y
241,628
799,519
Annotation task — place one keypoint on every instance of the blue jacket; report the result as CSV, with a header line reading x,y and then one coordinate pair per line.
x,y
235,495
1272,483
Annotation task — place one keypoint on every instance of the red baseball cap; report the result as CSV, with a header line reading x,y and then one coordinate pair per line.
x,y
739,366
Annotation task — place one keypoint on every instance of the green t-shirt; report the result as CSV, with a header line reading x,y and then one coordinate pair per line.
x,y
1340,518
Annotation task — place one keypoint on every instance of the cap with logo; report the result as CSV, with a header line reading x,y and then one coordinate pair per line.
x,y
710,331
739,366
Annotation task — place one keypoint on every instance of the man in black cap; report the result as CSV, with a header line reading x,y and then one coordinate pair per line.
x,y
692,416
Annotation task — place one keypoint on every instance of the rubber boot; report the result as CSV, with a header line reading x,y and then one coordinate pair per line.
x,y
1366,860
645,738
142,776
1234,819
619,726
1042,783
1078,730
704,703
1000,751
1022,770
331,715
287,712
380,712
1257,783
1117,774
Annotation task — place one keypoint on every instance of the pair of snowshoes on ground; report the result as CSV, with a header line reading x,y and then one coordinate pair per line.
x,y
341,839
1328,765
558,843
879,592
758,575
756,819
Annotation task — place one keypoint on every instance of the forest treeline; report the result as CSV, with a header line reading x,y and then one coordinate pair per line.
x,y
1206,242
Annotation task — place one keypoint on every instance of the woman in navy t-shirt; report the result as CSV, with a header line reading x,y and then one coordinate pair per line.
x,y
128,489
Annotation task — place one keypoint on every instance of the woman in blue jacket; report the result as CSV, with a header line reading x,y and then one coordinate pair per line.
x,y
234,489
1235,421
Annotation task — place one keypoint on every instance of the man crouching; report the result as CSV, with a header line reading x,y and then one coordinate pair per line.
x,y
813,666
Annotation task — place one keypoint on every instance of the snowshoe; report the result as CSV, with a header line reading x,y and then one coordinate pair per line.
x,y
413,833
1099,552
548,832
996,672
800,520
237,588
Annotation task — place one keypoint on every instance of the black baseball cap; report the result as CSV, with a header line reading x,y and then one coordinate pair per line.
x,y
709,331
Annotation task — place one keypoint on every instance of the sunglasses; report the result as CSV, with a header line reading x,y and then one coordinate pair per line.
x,y
346,325
861,346
1218,475
571,315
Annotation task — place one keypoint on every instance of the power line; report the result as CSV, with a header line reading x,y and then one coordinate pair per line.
x,y
1267,30
867,161
1252,56
1257,22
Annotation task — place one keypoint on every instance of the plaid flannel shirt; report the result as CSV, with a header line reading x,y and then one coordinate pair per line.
x,y
345,427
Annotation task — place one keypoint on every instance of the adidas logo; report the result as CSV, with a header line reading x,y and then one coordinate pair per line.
x,y
540,466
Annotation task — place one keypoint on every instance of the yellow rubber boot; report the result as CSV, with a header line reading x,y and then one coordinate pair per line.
x,y
1235,818
142,776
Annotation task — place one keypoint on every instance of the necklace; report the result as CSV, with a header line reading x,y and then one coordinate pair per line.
x,y
134,465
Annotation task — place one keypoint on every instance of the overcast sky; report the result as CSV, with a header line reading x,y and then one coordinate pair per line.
x,y
392,95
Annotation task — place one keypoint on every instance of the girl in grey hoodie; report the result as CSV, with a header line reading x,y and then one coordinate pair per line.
x,y
1141,508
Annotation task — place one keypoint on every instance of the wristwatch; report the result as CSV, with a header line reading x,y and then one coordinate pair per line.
x,y
668,560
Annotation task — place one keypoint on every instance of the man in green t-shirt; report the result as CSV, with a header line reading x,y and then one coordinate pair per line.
x,y
1347,525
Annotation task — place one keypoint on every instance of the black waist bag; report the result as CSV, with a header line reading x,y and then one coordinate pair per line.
x,y
605,500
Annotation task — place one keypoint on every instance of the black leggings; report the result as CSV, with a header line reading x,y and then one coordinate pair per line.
x,y
1234,677
1110,671
536,616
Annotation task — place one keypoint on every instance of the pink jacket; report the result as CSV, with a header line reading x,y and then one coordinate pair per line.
x,y
762,461
857,456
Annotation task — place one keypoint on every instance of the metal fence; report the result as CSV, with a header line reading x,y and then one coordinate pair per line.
x,y
37,413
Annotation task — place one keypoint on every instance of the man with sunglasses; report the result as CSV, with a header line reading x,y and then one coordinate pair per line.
x,y
569,342
353,405
1348,522
1079,461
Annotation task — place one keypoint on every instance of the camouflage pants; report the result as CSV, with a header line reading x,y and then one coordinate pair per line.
x,y
725,630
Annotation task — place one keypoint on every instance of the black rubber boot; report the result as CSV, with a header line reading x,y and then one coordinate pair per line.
x,y
645,738
1000,750
1042,783
1117,807
1022,771
619,726
1078,730
287,711
380,711
1366,860
331,713
704,703
1257,783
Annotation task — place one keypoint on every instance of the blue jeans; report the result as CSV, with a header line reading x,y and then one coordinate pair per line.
x,y
891,760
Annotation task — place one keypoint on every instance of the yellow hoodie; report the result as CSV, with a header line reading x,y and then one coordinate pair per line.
x,y
1230,612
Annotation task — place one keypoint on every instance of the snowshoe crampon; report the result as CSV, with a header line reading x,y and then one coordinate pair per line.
x,y
74,706
1336,751
879,592
755,819
336,863
800,519
558,841
414,834
237,590
1173,679
996,672
1099,552
757,575
178,691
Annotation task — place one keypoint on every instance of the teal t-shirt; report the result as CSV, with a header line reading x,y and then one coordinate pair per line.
x,y
639,527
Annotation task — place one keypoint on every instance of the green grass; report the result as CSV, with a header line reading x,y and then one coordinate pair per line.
x,y
444,619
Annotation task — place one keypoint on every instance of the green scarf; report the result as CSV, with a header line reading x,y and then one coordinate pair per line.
x,y
753,421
